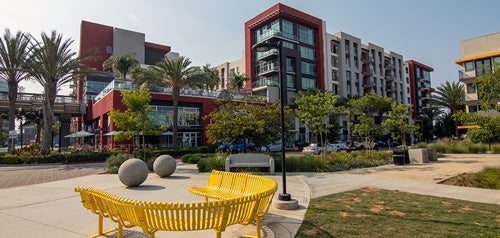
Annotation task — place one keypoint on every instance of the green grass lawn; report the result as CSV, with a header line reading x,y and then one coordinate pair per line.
x,y
371,212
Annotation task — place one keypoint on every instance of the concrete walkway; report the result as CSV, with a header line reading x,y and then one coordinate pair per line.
x,y
52,209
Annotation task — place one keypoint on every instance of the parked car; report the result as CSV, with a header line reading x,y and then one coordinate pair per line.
x,y
336,146
360,143
380,143
273,147
240,147
313,148
224,146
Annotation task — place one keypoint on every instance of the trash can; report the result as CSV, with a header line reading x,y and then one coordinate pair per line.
x,y
401,157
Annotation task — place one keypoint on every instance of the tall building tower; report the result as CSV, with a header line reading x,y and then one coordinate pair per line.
x,y
301,37
480,56
420,88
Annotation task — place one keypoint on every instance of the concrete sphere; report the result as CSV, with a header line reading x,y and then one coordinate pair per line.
x,y
164,165
133,172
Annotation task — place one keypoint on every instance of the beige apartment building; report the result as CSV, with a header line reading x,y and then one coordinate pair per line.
x,y
479,57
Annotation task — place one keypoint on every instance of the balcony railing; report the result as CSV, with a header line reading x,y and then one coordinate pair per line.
x,y
277,33
267,67
462,74
265,82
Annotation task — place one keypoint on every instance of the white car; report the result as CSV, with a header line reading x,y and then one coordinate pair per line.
x,y
336,146
272,147
313,148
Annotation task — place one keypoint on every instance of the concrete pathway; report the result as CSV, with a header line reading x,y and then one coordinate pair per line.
x,y
52,209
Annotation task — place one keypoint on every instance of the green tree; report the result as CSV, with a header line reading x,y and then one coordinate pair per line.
x,y
242,121
365,115
53,64
135,119
314,111
237,81
121,64
489,88
176,73
488,128
398,122
212,78
451,96
14,52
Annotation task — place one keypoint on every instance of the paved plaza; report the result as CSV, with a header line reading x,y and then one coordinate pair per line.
x,y
39,200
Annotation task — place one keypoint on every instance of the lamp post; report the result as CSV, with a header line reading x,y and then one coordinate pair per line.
x,y
264,47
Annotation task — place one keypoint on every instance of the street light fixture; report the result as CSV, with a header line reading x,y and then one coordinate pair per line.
x,y
264,47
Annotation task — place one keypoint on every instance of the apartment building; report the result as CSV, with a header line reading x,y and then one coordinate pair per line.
x,y
420,88
480,56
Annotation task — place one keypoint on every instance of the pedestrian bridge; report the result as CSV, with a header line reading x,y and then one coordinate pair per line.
x,y
66,106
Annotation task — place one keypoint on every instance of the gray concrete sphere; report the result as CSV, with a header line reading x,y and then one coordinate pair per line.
x,y
133,172
164,165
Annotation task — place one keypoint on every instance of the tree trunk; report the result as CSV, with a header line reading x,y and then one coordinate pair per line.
x,y
175,95
12,110
48,118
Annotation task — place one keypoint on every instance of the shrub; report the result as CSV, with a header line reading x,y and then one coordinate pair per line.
x,y
194,158
114,161
207,164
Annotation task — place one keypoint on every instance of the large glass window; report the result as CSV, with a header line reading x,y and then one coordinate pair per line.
x,y
290,64
355,53
290,81
309,68
471,88
306,35
469,66
308,83
287,28
288,45
483,67
496,62
308,53
188,116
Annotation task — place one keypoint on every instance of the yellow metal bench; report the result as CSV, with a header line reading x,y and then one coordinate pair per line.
x,y
181,216
227,185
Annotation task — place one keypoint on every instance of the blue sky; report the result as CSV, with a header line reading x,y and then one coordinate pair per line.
x,y
212,31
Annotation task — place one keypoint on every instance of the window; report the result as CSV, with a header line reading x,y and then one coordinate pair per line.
x,y
472,108
309,68
109,49
347,53
288,45
308,83
469,66
306,35
290,81
483,67
355,50
307,53
335,76
335,47
290,64
471,88
287,27
496,62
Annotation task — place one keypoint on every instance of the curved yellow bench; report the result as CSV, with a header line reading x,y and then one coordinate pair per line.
x,y
251,204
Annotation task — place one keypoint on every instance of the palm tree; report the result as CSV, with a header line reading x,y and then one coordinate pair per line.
x,y
177,73
121,64
35,116
237,81
14,51
451,96
212,78
52,64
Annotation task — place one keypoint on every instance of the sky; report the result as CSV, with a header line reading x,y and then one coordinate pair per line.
x,y
212,31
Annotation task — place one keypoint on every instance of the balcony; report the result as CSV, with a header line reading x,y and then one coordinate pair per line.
x,y
368,72
424,80
267,68
390,78
367,85
390,66
464,76
264,82
267,55
367,59
389,89
278,34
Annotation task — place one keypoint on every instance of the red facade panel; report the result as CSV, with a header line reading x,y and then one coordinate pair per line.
x,y
98,37
282,11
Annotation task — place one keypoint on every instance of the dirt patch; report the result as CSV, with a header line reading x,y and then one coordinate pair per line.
x,y
398,213
377,208
359,215
344,214
466,208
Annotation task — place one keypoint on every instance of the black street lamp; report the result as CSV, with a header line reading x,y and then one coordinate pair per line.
x,y
264,47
